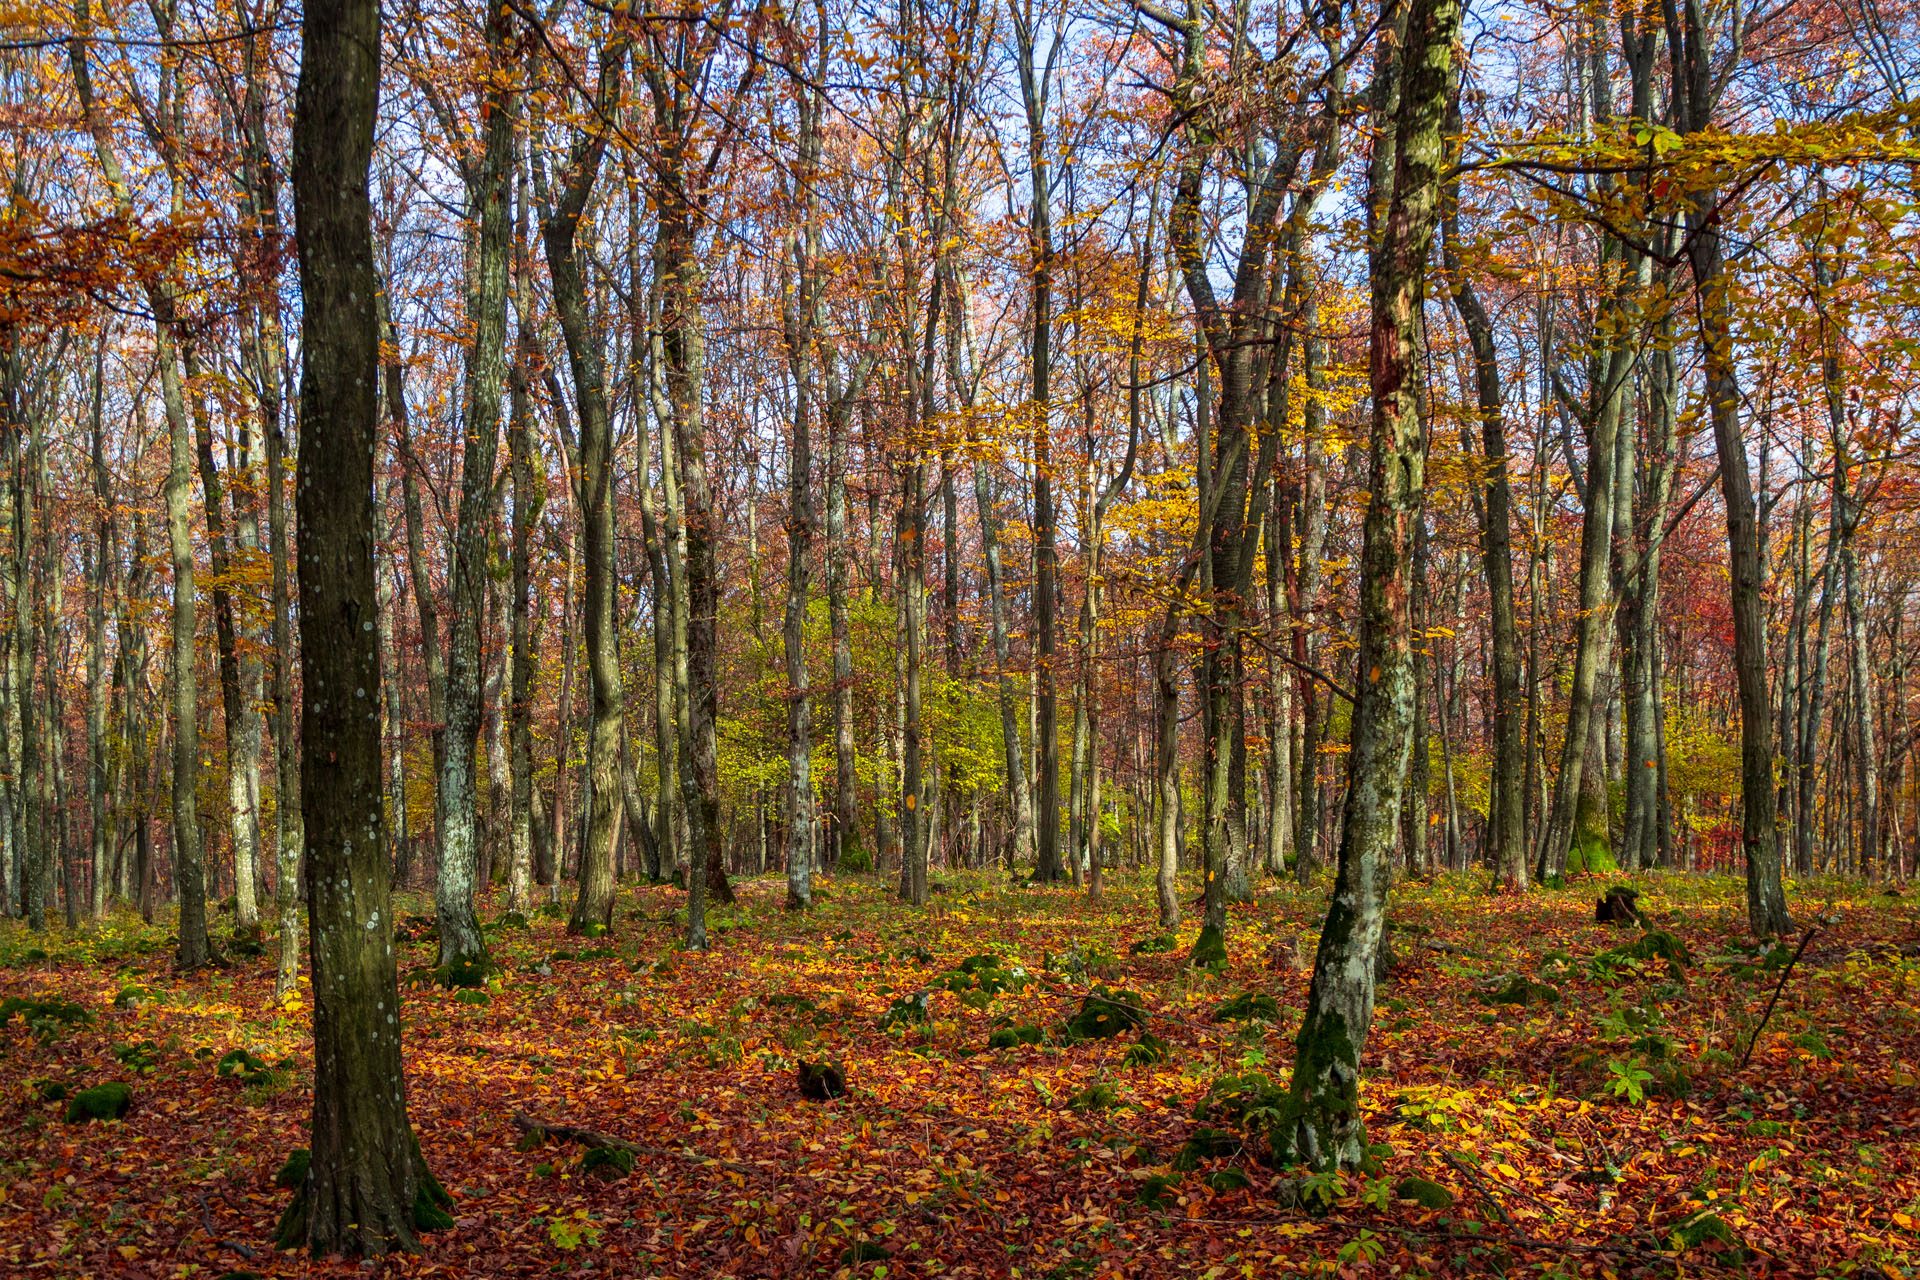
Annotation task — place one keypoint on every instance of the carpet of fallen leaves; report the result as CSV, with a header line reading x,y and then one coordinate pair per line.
x,y
1574,1134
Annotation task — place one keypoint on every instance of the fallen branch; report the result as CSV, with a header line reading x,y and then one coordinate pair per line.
x,y
1786,973
541,1131
1486,1192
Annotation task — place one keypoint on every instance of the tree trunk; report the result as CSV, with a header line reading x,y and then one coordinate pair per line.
x,y
1506,827
1046,746
98,554
799,315
487,180
1322,1123
593,906
367,1190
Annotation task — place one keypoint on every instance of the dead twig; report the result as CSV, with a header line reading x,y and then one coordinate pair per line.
x,y
1786,973
1486,1190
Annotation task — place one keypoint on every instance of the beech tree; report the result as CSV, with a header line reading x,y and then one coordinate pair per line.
x,y
366,1188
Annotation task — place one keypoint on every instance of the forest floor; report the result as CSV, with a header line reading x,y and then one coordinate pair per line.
x,y
1596,1133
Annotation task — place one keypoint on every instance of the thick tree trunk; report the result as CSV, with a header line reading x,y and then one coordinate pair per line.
x,y
367,1189
1322,1126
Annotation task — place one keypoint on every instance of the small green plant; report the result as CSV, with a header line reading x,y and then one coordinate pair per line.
x,y
1155,946
571,1233
1095,1097
1207,1143
1157,1191
1147,1051
1228,1179
1629,1080
1365,1247
1321,1191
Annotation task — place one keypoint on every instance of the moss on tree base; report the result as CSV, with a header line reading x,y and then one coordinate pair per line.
x,y
1209,949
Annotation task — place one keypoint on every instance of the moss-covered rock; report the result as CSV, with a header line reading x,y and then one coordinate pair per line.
x,y
1524,991
907,1010
1426,1194
464,971
1152,946
1015,1036
109,1101
247,1068
45,1018
1105,1013
1653,945
1248,1006
1149,1050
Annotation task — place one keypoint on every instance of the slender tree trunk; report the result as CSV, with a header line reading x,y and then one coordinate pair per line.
x,y
1046,746
425,602
488,179
802,254
1695,92
526,506
99,554
593,907
1506,828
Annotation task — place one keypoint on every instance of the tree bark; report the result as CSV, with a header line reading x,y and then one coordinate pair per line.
x,y
1322,1124
367,1190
